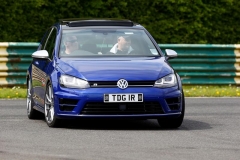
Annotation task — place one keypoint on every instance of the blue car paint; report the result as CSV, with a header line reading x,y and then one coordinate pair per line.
x,y
113,69
136,68
152,69
96,95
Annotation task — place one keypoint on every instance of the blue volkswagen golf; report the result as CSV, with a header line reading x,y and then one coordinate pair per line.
x,y
103,68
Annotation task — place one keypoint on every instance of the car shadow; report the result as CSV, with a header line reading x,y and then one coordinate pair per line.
x,y
129,124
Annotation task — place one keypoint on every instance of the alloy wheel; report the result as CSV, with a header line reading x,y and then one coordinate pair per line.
x,y
49,105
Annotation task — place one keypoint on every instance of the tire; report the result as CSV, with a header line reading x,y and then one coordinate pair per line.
x,y
31,112
173,122
49,112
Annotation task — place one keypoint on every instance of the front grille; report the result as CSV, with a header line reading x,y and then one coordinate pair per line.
x,y
102,84
67,104
121,108
174,103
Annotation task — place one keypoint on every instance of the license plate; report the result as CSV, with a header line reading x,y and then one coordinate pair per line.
x,y
130,97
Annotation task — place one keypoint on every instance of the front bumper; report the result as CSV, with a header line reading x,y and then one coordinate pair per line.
x,y
72,103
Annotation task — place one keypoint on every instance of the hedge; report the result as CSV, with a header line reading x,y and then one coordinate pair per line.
x,y
169,21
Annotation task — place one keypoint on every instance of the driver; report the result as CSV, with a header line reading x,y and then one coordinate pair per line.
x,y
71,44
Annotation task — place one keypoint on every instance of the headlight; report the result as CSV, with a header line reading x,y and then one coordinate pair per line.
x,y
167,81
72,82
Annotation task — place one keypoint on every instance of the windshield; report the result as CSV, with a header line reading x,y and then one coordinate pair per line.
x,y
106,42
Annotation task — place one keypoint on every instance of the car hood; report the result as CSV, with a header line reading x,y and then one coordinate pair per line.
x,y
113,69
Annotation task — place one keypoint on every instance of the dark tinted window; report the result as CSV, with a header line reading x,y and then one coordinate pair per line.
x,y
44,40
51,42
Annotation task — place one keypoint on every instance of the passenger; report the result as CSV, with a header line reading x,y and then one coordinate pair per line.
x,y
123,46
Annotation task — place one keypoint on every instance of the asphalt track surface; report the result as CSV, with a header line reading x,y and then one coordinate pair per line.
x,y
210,131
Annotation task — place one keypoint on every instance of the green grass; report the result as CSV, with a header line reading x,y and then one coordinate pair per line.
x,y
211,91
14,92
189,91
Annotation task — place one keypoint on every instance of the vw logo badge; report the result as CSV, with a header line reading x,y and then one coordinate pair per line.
x,y
122,84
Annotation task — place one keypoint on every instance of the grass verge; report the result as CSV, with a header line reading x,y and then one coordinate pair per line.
x,y
14,92
211,90
189,91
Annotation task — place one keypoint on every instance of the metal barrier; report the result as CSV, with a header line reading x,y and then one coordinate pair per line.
x,y
206,64
14,61
196,63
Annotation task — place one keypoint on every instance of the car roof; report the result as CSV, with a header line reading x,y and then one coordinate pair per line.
x,y
76,22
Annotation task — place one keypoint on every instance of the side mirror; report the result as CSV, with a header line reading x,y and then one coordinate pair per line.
x,y
170,53
43,54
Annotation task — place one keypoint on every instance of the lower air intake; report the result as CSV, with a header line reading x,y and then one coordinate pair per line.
x,y
122,108
67,104
174,103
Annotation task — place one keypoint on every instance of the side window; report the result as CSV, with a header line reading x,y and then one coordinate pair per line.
x,y
51,42
44,40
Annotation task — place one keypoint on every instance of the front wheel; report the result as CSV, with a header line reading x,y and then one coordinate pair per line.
x,y
49,113
173,122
